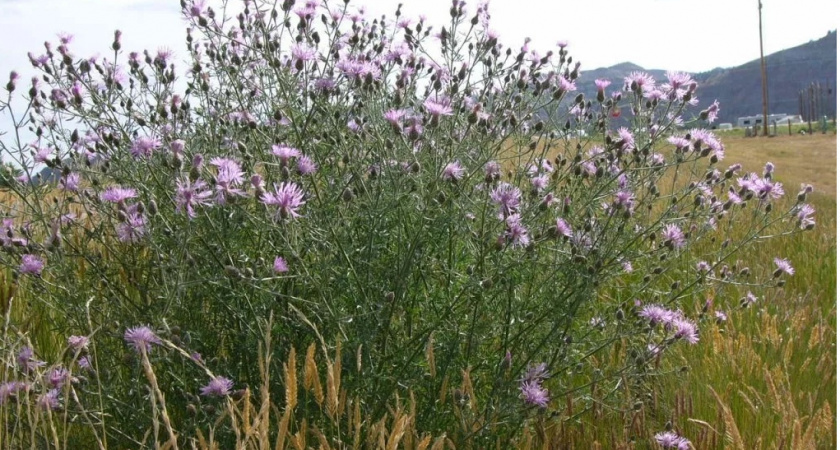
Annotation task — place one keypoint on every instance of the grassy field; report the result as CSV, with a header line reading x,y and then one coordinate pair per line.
x,y
767,378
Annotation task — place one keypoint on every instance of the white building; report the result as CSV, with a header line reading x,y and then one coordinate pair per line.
x,y
750,121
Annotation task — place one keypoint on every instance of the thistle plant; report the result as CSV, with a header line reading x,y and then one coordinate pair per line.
x,y
477,235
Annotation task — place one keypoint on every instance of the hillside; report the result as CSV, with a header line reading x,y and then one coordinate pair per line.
x,y
739,88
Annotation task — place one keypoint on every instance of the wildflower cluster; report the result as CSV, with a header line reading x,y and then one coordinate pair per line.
x,y
385,181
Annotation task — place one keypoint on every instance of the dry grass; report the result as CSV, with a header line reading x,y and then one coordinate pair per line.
x,y
800,159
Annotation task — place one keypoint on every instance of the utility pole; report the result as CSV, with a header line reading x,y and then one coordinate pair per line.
x,y
763,69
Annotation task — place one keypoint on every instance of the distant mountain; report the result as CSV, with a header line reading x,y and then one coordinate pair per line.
x,y
739,88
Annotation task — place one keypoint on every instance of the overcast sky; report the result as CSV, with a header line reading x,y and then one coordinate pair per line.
x,y
688,35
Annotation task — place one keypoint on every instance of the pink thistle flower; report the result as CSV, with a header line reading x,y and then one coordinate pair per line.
x,y
27,361
302,53
712,111
287,198
669,439
70,182
116,194
84,363
602,84
78,342
804,217
673,236
141,338
306,166
394,116
177,147
10,389
540,183
508,198
285,153
685,330
453,171
280,265
533,393
642,81
516,233
217,387
628,141
492,171
133,228
49,400
438,107
782,266
144,146
31,265
58,376
188,195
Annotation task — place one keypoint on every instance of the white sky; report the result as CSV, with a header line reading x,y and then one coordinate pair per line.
x,y
688,35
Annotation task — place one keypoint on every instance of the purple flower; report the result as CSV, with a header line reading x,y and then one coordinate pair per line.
x,y
285,153
625,200
804,215
680,142
669,439
280,265
116,194
302,53
394,116
84,363
453,171
534,394
492,171
144,146
78,342
539,183
507,197
602,84
713,111
188,195
287,198
720,316
133,227
749,299
535,372
10,389
70,182
177,146
26,360
565,84
642,81
656,314
673,236
49,400
562,228
217,387
782,266
228,177
141,337
438,107
627,141
685,330
306,166
31,264
516,233
58,376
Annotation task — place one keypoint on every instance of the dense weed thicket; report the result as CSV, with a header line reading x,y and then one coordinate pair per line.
x,y
472,253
